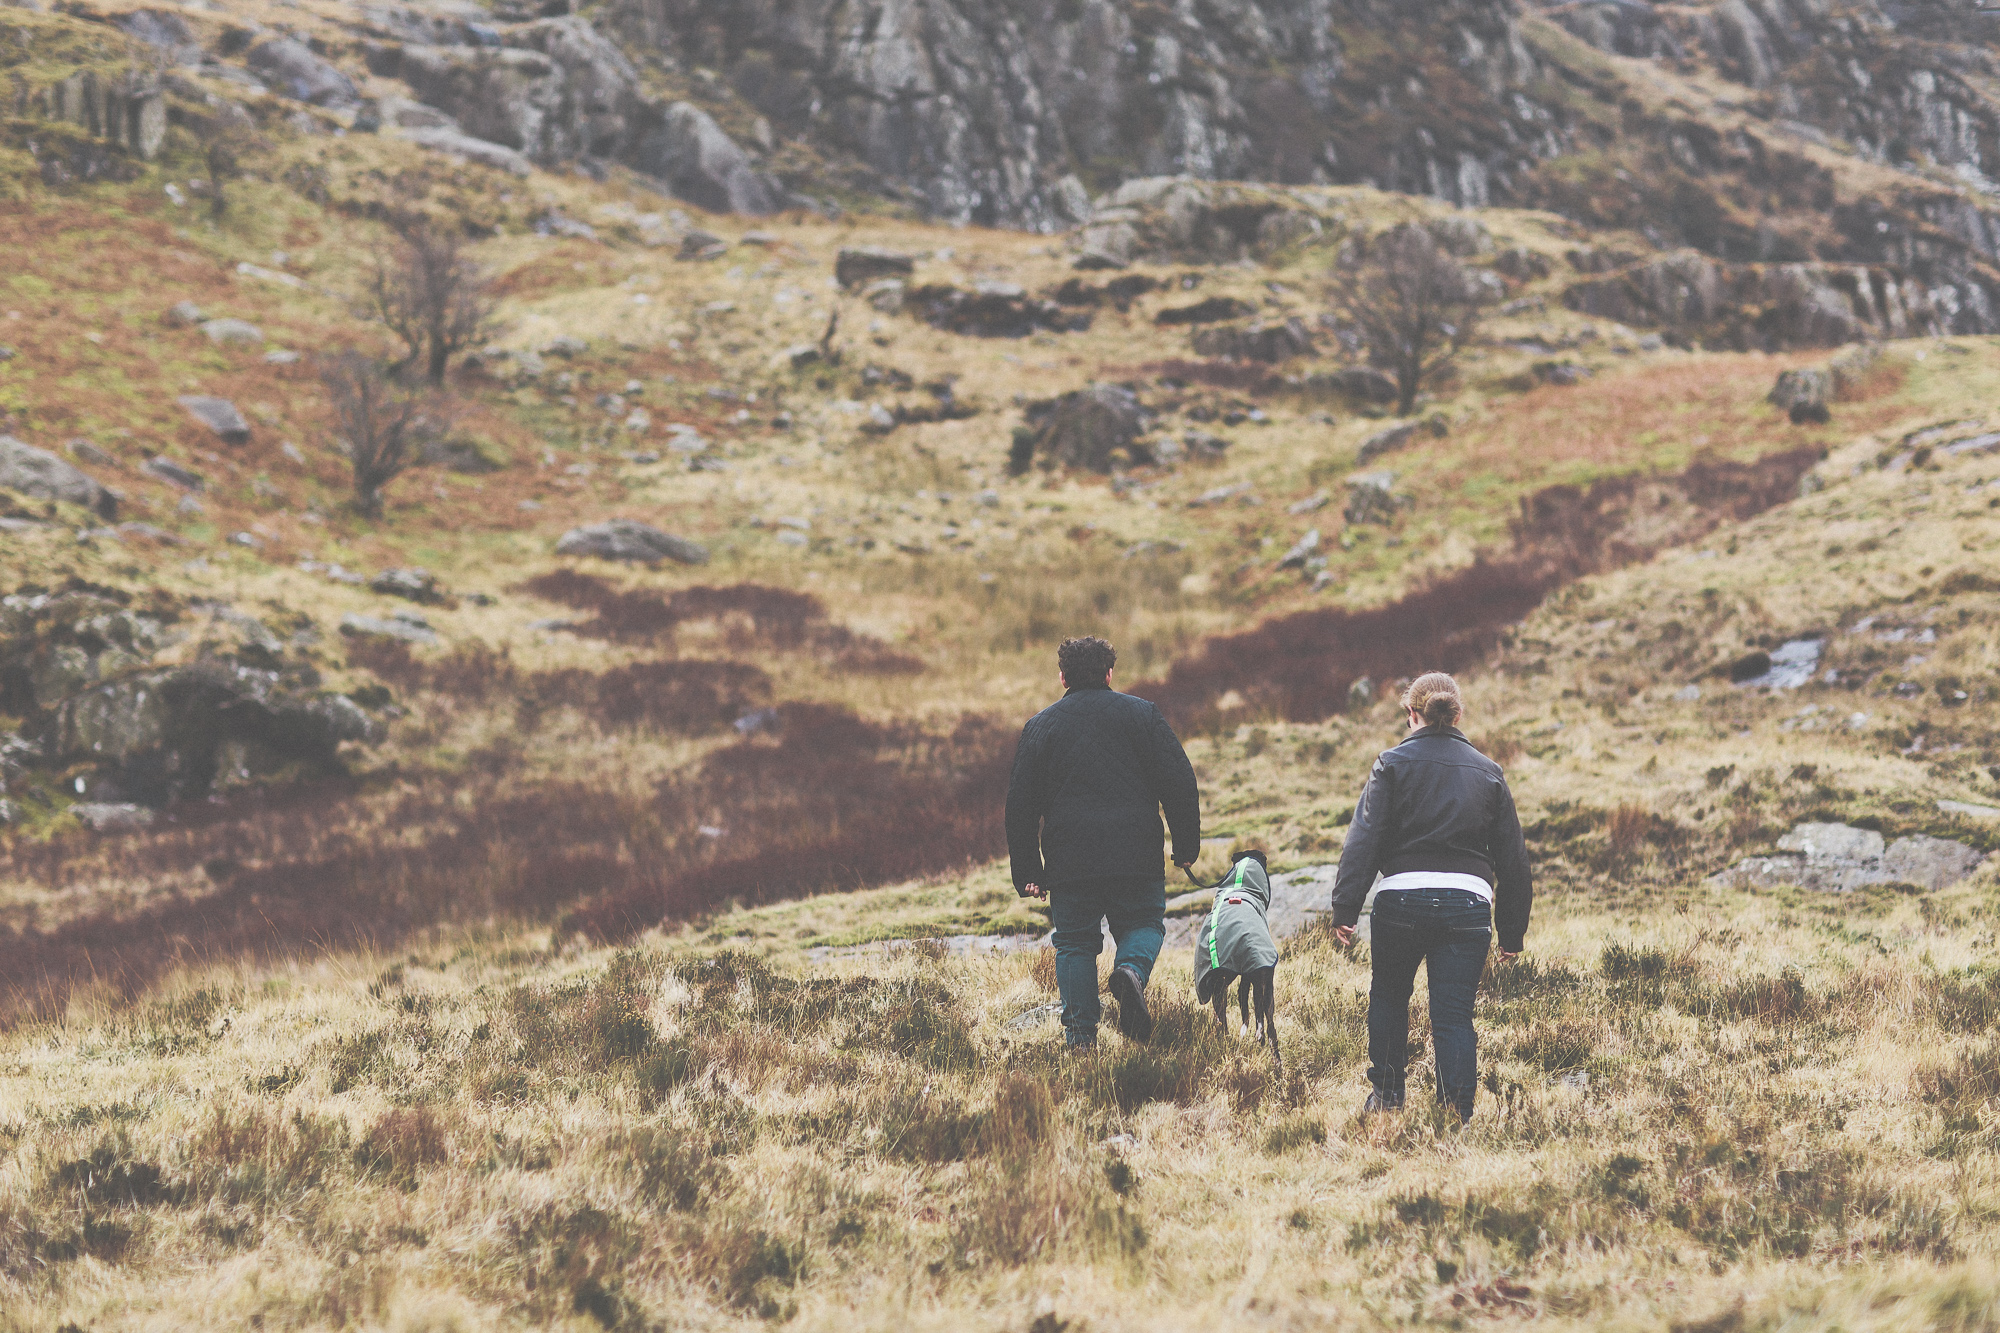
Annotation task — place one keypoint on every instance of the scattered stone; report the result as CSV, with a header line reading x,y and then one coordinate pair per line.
x,y
232,331
292,68
702,245
9,813
626,539
1400,434
1302,550
1213,310
1969,809
415,585
219,415
103,817
856,266
1370,500
992,310
1039,1016
799,356
568,345
1561,374
1312,504
1095,428
1360,693
885,295
1205,445
1803,393
281,357
1220,494
42,476
183,314
459,144
1108,245
1363,383
1687,694
405,625
190,507
1265,341
1840,858
173,473
1786,667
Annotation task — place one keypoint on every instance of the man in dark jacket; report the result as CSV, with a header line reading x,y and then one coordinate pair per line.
x,y
1437,822
1083,826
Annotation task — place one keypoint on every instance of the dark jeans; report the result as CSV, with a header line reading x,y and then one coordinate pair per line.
x,y
1448,930
1136,909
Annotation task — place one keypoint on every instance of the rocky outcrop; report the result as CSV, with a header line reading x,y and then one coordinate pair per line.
x,y
1840,858
40,475
1096,428
629,540
150,702
291,67
987,110
702,165
1770,307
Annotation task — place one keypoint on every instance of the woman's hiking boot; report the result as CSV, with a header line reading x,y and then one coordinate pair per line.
x,y
1129,989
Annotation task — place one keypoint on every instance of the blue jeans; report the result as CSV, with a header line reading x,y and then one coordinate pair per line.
x,y
1449,931
1135,908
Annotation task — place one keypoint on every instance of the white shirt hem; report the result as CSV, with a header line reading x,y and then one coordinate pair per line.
x,y
1434,879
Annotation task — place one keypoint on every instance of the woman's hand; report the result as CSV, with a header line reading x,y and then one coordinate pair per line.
x,y
1345,934
1502,956
1032,891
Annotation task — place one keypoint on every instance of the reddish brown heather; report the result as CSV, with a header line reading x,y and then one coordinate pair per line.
x,y
1300,667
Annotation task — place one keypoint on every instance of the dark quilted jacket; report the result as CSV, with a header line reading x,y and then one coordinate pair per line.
x,y
1090,778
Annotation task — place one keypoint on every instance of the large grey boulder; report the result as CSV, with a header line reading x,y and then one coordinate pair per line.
x,y
405,625
219,415
483,151
97,695
1096,428
1839,858
704,166
625,539
41,475
291,67
558,90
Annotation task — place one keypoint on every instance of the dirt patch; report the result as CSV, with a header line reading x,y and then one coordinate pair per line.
x,y
1301,667
747,616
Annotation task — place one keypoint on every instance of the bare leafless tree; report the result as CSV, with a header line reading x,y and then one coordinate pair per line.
x,y
382,423
430,294
1413,306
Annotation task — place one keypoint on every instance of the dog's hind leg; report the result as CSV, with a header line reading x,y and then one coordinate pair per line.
x,y
1243,989
1267,1018
1221,998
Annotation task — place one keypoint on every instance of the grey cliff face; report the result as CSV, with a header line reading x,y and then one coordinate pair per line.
x,y
980,110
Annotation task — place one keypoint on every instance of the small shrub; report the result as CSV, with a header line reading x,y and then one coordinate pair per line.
x,y
674,1168
1558,1046
401,1144
113,1174
1295,1131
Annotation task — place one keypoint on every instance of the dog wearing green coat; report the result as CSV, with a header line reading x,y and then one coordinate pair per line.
x,y
1235,944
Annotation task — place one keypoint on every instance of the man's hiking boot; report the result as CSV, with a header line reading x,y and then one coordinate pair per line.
x,y
1380,1101
1130,992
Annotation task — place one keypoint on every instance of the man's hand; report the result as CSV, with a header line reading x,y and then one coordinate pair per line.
x,y
1033,891
1345,934
1502,956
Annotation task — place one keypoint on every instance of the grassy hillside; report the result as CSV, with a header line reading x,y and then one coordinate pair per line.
x,y
570,1003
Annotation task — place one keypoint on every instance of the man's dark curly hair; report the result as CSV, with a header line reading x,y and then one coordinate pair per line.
x,y
1086,662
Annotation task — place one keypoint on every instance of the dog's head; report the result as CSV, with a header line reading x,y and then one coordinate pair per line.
x,y
1255,855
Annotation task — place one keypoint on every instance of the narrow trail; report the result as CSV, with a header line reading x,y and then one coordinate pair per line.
x,y
820,800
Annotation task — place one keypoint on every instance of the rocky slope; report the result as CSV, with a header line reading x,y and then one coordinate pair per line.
x,y
1832,156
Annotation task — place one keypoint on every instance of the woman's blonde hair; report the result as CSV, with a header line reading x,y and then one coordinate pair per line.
x,y
1434,697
